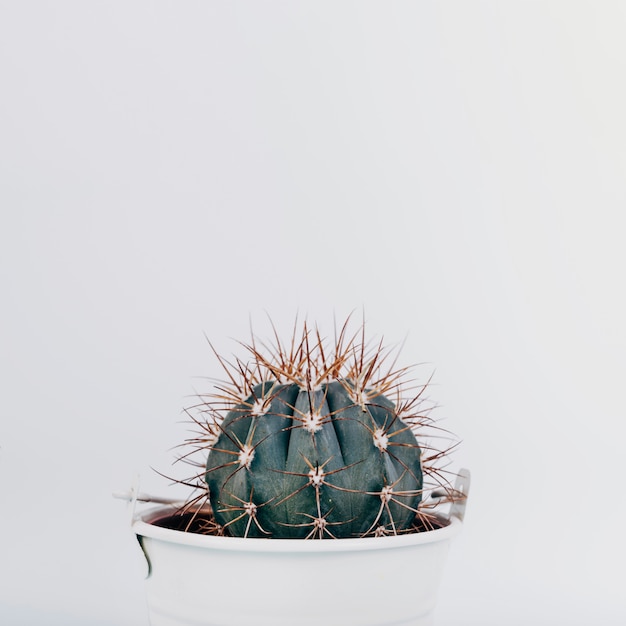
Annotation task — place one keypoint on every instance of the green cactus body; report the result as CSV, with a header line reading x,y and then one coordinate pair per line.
x,y
314,460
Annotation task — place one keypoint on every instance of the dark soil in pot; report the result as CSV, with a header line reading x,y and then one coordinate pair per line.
x,y
202,522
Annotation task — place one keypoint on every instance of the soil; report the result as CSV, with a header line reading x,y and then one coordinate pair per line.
x,y
203,523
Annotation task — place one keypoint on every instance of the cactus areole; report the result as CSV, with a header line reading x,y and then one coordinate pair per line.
x,y
305,442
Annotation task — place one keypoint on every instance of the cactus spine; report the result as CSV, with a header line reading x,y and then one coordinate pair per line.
x,y
304,442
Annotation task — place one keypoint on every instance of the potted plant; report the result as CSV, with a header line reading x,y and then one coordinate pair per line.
x,y
319,496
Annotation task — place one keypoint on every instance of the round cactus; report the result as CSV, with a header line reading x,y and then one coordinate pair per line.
x,y
306,442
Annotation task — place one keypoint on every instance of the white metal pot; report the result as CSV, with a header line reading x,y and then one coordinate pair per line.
x,y
203,580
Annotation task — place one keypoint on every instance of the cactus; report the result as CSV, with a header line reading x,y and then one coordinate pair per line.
x,y
305,441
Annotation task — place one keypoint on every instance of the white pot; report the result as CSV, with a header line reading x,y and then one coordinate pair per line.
x,y
203,580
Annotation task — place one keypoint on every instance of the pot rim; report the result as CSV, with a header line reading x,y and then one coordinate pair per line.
x,y
143,527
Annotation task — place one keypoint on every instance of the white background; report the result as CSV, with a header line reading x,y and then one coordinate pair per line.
x,y
454,169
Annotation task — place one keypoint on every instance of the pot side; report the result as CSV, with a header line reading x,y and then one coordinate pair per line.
x,y
203,580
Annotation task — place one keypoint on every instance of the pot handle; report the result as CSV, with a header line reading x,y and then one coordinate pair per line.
x,y
461,491
132,496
